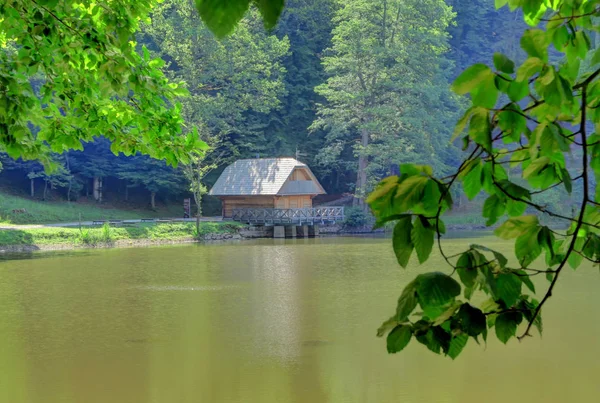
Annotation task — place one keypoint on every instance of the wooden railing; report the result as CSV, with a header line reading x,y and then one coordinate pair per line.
x,y
298,216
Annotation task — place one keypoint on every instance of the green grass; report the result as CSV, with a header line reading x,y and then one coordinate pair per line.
x,y
39,212
107,234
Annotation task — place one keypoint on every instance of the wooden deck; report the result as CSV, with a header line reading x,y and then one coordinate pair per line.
x,y
297,216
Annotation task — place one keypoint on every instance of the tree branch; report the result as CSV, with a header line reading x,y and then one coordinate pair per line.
x,y
584,202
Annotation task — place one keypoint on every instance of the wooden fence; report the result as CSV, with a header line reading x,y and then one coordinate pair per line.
x,y
297,216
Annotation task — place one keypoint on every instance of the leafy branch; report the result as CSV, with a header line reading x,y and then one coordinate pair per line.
x,y
538,139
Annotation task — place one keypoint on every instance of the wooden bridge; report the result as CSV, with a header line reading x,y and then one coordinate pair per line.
x,y
288,216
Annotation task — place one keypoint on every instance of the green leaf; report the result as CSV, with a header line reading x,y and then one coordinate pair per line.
x,y
500,3
574,260
486,93
407,302
471,78
536,166
503,63
509,288
560,38
457,344
409,192
387,326
480,129
506,325
511,121
422,236
270,11
545,239
398,338
502,261
535,43
525,279
566,178
462,124
472,181
447,314
596,57
465,269
529,67
402,241
493,208
490,285
435,339
471,320
527,247
517,90
516,226
221,17
435,290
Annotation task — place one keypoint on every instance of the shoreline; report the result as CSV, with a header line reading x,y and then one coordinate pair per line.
x,y
242,233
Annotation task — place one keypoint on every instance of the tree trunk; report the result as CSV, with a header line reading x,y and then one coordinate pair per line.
x,y
45,190
361,174
32,187
70,178
126,192
98,189
152,200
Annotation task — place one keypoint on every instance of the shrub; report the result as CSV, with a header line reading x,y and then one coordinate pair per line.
x,y
355,217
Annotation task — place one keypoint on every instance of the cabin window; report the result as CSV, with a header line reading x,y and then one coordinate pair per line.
x,y
293,203
306,203
280,203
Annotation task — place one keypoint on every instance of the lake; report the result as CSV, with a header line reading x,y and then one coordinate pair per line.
x,y
266,321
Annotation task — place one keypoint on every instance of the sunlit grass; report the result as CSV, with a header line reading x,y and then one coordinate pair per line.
x,y
106,234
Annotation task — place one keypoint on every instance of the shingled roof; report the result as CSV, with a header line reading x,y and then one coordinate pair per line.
x,y
261,176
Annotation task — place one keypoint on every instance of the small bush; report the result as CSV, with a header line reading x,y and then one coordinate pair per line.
x,y
355,217
86,237
107,233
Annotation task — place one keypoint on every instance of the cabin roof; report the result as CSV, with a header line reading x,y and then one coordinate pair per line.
x,y
260,176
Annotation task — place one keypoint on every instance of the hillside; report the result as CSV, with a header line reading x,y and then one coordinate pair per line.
x,y
19,210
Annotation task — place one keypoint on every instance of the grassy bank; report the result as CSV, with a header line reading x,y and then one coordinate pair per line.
x,y
109,235
19,210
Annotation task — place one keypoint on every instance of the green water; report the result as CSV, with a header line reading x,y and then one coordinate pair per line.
x,y
266,321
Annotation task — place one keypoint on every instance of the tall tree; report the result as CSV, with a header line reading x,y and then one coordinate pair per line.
x,y
385,68
228,79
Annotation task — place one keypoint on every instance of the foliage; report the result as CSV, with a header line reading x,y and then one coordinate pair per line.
x,y
106,233
70,71
383,77
355,217
228,79
95,236
525,119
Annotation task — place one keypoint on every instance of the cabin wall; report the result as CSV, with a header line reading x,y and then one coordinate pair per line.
x,y
231,202
300,174
302,201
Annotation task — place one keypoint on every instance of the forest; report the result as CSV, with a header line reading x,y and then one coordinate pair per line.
x,y
344,85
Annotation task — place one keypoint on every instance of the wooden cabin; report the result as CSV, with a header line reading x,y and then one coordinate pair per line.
x,y
275,183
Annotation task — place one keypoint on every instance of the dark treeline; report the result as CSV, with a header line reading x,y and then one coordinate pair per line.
x,y
351,87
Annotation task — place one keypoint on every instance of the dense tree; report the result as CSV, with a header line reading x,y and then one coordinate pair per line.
x,y
227,78
384,75
153,175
